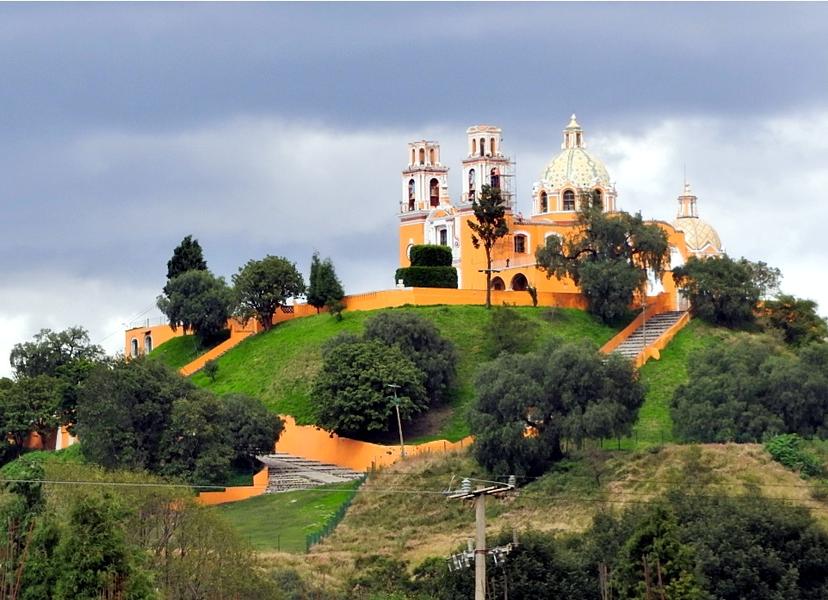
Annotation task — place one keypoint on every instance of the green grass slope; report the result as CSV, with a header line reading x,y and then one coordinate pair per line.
x,y
281,522
178,351
278,367
662,377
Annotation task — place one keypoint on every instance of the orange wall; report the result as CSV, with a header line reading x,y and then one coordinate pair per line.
x,y
159,333
316,444
433,296
234,494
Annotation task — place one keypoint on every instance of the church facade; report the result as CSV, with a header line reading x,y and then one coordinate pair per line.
x,y
430,215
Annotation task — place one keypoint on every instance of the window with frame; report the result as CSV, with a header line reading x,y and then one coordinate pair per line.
x,y
569,200
520,244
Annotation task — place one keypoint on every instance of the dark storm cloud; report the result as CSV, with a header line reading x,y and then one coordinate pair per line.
x,y
281,128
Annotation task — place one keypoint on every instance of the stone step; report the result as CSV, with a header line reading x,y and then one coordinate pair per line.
x,y
288,472
647,334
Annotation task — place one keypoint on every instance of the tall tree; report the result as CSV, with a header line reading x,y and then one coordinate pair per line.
x,y
50,350
198,301
262,286
725,291
325,287
608,257
795,318
30,405
490,226
187,256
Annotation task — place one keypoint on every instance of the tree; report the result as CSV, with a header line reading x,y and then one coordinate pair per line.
x,y
51,350
325,288
187,256
489,226
750,388
725,291
526,405
30,405
351,394
197,301
608,257
421,342
253,430
795,318
262,286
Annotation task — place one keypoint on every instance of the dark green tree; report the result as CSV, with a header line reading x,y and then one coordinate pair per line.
x,y
199,302
31,405
351,394
795,319
420,342
725,291
325,288
608,257
750,388
262,286
51,350
252,428
187,256
526,405
489,226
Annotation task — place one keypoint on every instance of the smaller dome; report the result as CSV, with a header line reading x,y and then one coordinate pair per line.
x,y
699,235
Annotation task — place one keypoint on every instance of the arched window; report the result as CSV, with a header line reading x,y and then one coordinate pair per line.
x,y
597,197
482,146
434,192
133,348
495,178
474,146
442,236
422,156
520,244
497,284
431,156
492,146
569,200
471,185
413,156
411,194
147,344
544,202
520,283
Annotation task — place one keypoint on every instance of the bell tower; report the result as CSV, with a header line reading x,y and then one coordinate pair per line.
x,y
424,180
687,203
485,164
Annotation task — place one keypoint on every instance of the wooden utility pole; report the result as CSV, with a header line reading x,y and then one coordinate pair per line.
x,y
480,550
395,387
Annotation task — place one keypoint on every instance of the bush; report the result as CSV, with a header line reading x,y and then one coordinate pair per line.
x,y
787,449
434,277
420,342
430,255
509,331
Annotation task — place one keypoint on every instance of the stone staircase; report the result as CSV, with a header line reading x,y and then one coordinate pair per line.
x,y
647,333
287,472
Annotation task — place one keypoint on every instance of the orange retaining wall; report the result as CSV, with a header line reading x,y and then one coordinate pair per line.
x,y
432,296
234,494
316,444
654,349
660,304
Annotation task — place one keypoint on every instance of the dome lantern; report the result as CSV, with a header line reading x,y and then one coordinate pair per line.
x,y
573,135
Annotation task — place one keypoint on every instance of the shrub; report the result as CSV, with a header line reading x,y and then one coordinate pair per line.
x,y
509,331
434,277
787,449
430,255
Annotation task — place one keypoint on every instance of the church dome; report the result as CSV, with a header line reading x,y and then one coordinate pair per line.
x,y
574,166
699,235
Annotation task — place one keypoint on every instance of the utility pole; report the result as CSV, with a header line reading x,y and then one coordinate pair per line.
x,y
480,550
394,387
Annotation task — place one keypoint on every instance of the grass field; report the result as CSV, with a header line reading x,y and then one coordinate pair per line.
x,y
178,351
278,367
280,522
662,377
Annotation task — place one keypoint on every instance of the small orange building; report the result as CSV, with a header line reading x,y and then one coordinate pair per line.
x,y
429,216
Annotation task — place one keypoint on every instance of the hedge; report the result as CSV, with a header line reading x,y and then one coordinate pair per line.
x,y
435,277
430,255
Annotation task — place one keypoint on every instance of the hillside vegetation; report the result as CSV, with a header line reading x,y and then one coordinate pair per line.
x,y
278,366
400,512
179,351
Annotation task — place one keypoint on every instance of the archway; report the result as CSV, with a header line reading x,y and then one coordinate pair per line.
x,y
520,283
498,285
434,191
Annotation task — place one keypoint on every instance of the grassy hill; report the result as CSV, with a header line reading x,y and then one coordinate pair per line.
x,y
278,367
181,350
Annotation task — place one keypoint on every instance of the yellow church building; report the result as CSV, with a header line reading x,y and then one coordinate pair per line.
x,y
429,215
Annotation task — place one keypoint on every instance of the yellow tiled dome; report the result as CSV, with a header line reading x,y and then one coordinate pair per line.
x,y
700,236
577,168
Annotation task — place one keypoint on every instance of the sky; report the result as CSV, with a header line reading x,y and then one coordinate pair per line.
x,y
282,129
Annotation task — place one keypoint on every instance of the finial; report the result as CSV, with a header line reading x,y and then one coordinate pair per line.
x,y
573,123
687,190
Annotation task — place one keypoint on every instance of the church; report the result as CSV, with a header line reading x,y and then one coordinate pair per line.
x,y
430,215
